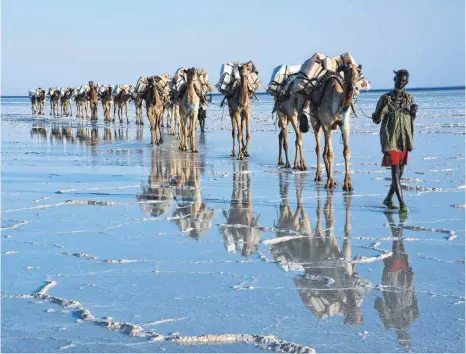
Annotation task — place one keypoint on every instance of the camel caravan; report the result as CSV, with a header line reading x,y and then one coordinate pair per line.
x,y
319,93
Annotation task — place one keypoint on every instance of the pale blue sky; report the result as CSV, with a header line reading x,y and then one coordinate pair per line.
x,y
67,43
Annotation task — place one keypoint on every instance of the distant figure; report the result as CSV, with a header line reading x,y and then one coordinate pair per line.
x,y
94,100
396,111
202,116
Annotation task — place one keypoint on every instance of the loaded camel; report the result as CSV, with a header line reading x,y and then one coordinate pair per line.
x,y
330,109
40,97
154,108
121,100
54,101
105,95
32,97
65,102
94,99
239,106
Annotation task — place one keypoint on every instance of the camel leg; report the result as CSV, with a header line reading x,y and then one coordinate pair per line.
x,y
114,112
280,142
126,112
345,130
298,143
328,158
240,134
317,131
233,134
152,128
247,118
193,130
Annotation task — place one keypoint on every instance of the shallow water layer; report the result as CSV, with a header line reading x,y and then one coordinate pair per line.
x,y
146,249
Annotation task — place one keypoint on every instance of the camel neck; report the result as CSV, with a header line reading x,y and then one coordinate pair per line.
x,y
348,96
191,91
244,90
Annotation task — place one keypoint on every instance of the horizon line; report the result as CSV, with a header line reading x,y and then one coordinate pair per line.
x,y
459,87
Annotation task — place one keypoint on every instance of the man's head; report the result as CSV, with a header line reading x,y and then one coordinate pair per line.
x,y
401,79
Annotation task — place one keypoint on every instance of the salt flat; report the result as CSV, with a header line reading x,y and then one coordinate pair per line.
x,y
170,251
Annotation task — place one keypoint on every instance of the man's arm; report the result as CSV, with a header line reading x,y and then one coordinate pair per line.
x,y
413,109
377,116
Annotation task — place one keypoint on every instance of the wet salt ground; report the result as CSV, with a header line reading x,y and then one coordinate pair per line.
x,y
192,245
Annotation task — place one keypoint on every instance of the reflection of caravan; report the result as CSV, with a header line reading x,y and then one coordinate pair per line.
x,y
156,197
329,285
193,216
177,177
239,231
398,306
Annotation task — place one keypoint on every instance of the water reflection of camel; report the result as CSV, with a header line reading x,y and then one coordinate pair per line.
x,y
193,215
177,177
398,306
38,130
156,197
240,233
330,285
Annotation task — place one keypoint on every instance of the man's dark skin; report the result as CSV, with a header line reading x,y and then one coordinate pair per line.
x,y
394,101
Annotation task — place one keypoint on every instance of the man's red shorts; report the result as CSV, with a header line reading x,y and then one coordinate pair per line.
x,y
393,158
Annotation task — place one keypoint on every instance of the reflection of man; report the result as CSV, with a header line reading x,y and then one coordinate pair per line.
x,y
398,308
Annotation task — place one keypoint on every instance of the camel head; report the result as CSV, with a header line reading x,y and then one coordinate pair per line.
x,y
351,74
191,74
244,70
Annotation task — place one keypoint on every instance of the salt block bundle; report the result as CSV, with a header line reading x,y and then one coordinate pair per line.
x,y
84,89
317,66
32,93
117,89
179,82
281,75
141,86
161,82
102,89
230,78
202,82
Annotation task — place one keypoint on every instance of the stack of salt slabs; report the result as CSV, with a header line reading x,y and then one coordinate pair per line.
x,y
230,78
178,82
281,77
317,66
117,89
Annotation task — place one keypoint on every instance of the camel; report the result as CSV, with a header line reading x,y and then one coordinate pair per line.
x,y
82,101
332,111
94,99
40,96
189,109
174,115
32,97
137,99
105,95
121,100
289,110
65,102
239,106
54,101
154,107
240,231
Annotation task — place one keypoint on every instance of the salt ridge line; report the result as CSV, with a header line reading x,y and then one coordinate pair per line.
x,y
20,223
269,342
